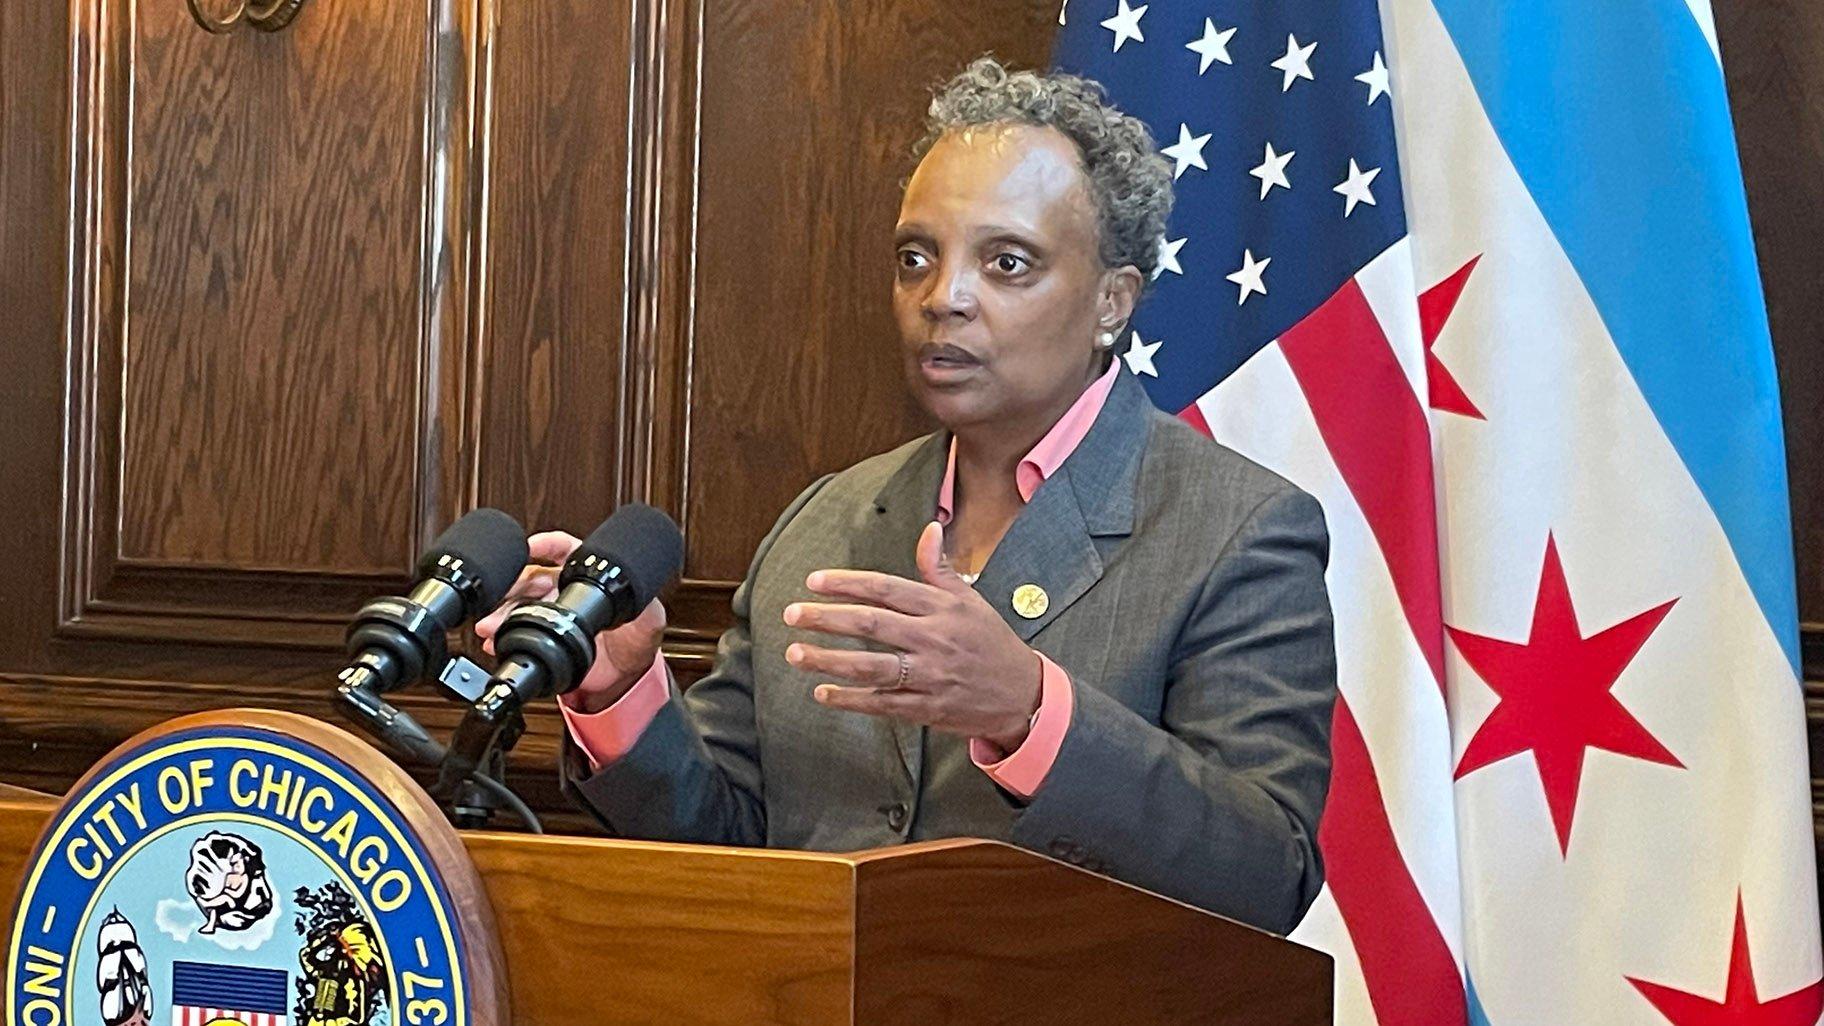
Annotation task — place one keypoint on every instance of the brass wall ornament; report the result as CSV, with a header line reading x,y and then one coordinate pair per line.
x,y
265,15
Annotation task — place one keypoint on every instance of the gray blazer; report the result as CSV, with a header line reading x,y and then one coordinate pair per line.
x,y
1187,603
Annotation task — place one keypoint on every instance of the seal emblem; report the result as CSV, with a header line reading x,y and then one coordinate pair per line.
x,y
227,879
249,868
344,971
120,974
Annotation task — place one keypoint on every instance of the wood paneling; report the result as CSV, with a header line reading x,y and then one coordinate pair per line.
x,y
555,257
268,245
326,288
933,933
261,365
55,727
762,937
1773,55
35,98
797,368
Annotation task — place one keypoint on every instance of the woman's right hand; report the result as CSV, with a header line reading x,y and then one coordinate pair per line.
x,y
622,655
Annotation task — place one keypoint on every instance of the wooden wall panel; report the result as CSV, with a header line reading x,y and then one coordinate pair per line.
x,y
1773,54
809,113
554,328
259,355
393,262
34,203
270,291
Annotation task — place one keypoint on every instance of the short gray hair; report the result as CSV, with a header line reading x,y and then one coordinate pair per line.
x,y
1129,180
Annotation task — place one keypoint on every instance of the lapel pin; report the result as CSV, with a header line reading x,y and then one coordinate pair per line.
x,y
1030,601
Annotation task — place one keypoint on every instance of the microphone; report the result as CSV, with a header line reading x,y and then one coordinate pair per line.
x,y
394,641
545,648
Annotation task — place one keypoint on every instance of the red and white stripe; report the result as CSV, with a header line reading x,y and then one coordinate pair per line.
x,y
191,1015
1337,406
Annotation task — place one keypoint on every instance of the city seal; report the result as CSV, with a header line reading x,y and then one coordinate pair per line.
x,y
256,868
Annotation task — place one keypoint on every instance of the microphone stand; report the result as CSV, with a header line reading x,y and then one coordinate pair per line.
x,y
492,725
470,798
474,804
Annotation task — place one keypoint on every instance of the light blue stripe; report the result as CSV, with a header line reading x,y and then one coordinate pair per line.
x,y
1477,1017
1615,115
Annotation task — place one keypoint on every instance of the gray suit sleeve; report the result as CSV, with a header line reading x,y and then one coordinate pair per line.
x,y
1218,805
694,774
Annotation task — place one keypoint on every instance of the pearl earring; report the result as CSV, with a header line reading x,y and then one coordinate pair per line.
x,y
1108,340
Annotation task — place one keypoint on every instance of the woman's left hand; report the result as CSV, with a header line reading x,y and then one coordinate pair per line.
x,y
964,670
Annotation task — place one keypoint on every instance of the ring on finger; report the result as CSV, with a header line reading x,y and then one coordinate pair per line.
x,y
905,672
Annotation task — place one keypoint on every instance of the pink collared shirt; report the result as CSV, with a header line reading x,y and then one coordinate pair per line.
x,y
611,733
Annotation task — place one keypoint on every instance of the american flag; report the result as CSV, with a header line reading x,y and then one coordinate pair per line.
x,y
1286,257
203,994
1522,360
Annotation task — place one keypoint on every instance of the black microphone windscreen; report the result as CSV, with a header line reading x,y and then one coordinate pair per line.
x,y
492,547
643,541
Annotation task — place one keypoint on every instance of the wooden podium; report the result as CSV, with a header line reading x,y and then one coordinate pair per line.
x,y
600,932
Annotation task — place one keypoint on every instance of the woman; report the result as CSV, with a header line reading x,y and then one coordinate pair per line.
x,y
1065,620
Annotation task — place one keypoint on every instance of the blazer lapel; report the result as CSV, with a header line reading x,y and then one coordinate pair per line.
x,y
1047,547
1051,544
902,508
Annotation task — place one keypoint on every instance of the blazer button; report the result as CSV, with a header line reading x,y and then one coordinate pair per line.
x,y
897,814
1061,848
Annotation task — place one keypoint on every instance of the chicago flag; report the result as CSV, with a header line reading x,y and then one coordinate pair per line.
x,y
1478,275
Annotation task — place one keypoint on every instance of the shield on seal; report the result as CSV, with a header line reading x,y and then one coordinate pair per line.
x,y
204,994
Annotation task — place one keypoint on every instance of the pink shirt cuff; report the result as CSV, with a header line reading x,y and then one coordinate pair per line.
x,y
1022,771
607,735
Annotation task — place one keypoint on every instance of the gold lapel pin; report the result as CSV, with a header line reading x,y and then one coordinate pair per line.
x,y
1030,601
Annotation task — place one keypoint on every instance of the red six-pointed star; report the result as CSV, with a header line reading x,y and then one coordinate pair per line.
x,y
1555,698
1741,1004
1435,307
